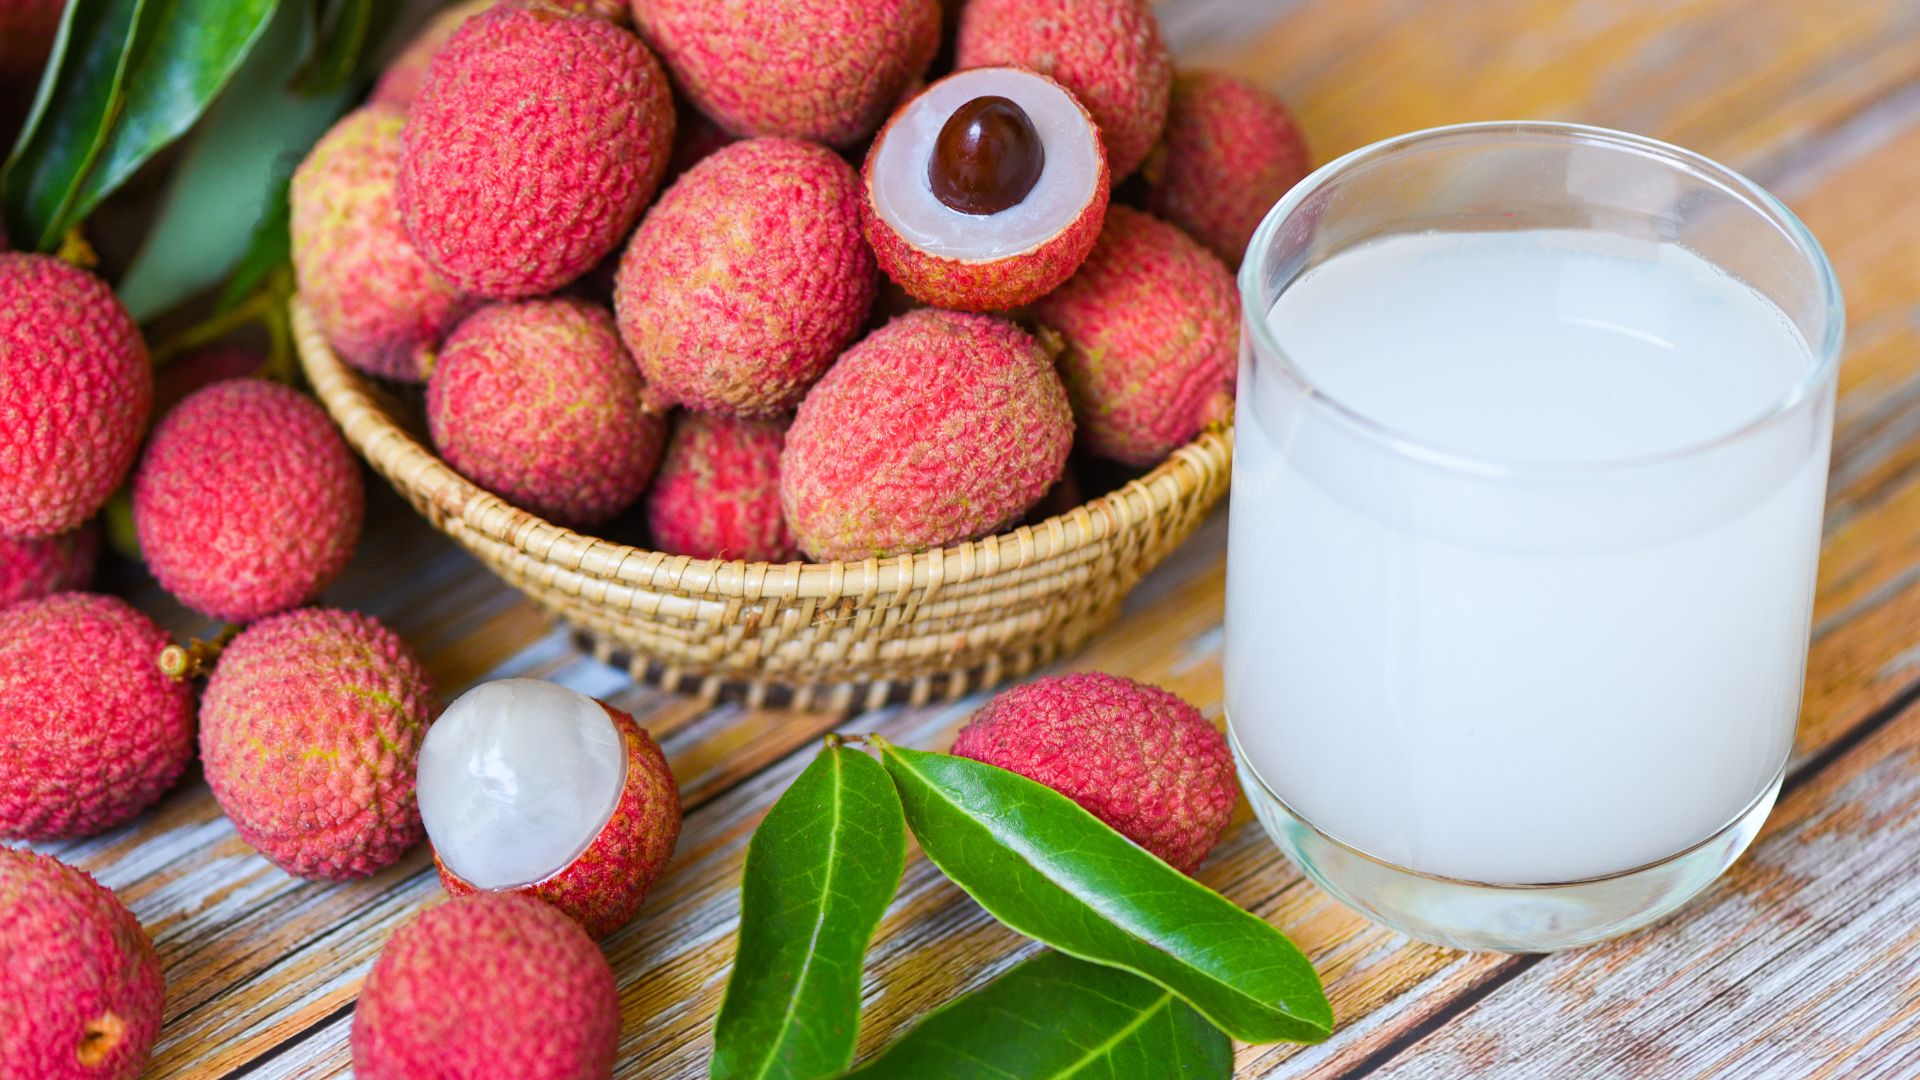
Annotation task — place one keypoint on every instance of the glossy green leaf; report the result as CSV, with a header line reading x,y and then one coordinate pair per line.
x,y
1055,1017
345,34
271,246
821,870
1042,865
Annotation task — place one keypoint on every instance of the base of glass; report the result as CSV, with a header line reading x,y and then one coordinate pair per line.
x,y
1501,918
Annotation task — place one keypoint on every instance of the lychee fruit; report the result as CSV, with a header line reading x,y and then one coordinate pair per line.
x,y
717,495
538,402
748,278
1107,52
530,787
27,28
75,392
484,986
537,138
937,428
91,731
986,191
1151,325
1135,756
31,569
247,501
400,83
179,377
824,70
1230,151
309,731
81,991
379,304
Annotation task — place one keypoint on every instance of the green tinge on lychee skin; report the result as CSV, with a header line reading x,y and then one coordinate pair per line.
x,y
1230,152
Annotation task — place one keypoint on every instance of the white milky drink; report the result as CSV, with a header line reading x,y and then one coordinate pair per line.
x,y
1522,639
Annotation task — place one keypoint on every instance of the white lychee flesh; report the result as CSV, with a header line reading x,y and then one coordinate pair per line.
x,y
904,199
516,778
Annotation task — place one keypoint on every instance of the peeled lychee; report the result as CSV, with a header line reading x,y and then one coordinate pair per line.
x,y
30,569
537,138
985,259
748,278
1135,756
824,70
717,495
1107,52
91,731
937,428
1151,325
247,501
1230,151
379,304
81,991
539,403
75,391
485,986
530,787
309,731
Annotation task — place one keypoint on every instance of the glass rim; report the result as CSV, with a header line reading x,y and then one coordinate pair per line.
x,y
1826,351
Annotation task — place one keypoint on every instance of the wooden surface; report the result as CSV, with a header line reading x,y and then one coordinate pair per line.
x,y
1805,961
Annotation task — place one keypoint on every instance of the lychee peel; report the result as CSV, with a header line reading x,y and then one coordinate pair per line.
x,y
824,70
31,569
247,501
500,212
488,985
539,403
91,731
1230,151
379,303
400,83
717,494
1135,756
937,428
747,279
81,990
1151,329
75,392
309,730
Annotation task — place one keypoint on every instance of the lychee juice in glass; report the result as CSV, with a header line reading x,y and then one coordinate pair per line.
x,y
1530,454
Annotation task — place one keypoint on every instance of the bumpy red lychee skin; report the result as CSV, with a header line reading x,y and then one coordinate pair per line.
x,y
489,985
717,495
309,731
748,278
996,284
604,887
1151,325
537,138
400,83
75,393
937,428
31,569
1230,151
27,28
824,70
379,303
1135,756
81,990
1107,52
539,403
247,501
91,732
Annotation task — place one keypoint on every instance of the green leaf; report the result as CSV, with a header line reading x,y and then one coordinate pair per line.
x,y
1057,1017
270,247
344,34
821,870
1042,865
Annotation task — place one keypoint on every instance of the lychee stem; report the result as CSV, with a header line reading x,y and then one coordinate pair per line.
x,y
835,740
196,657
75,250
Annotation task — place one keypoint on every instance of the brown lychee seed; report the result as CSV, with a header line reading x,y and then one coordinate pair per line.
x,y
987,157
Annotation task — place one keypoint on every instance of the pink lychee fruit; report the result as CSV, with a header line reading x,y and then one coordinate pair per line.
x,y
717,495
400,83
1135,756
1230,151
31,569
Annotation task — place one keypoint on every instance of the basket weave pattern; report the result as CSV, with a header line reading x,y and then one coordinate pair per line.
x,y
912,627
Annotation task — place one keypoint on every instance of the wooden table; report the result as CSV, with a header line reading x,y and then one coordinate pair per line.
x,y
1805,961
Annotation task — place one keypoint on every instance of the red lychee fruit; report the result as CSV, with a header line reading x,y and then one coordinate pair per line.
x,y
31,569
247,501
717,494
1230,151
485,986
91,731
937,428
1135,756
309,731
75,392
400,83
182,375
81,991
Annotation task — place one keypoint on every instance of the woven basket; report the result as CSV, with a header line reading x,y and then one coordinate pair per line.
x,y
809,635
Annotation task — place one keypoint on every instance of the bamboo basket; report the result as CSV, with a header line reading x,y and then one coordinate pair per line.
x,y
809,635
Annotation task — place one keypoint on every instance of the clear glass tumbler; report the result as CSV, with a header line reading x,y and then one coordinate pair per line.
x,y
1531,454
